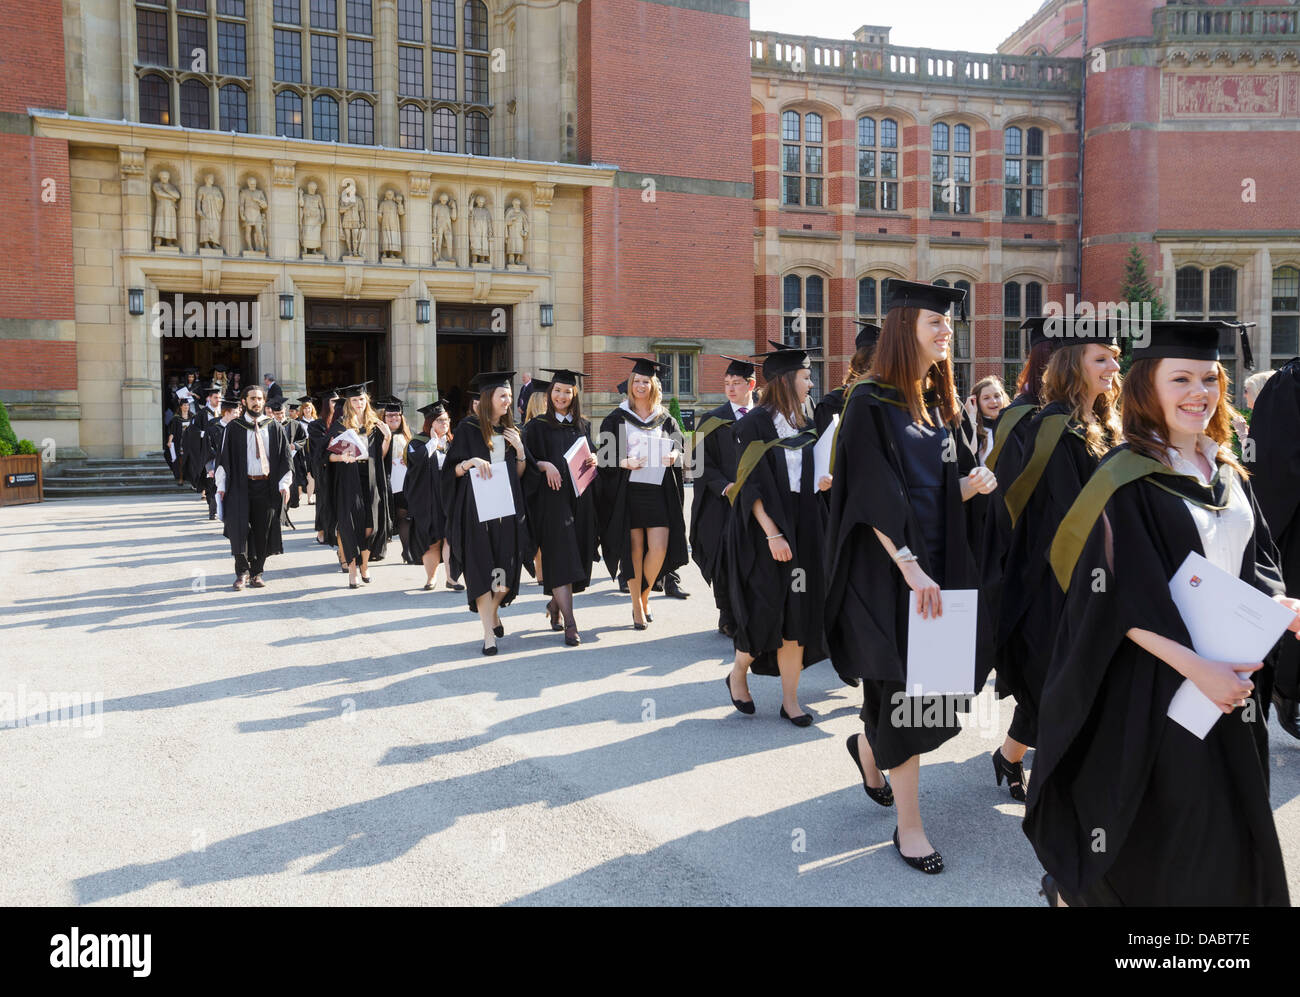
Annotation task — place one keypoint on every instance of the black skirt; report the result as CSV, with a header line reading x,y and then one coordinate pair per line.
x,y
646,506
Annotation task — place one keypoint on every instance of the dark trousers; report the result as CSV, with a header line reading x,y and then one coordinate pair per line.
x,y
210,493
263,506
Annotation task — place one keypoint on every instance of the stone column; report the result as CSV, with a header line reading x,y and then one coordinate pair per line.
x,y
261,66
141,424
282,212
418,230
385,68
136,213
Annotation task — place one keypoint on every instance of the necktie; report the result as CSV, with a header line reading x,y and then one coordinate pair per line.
x,y
261,457
741,410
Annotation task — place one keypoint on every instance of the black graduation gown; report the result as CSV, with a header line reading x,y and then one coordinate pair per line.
x,y
318,437
1185,821
866,596
563,524
831,405
424,499
1276,471
195,450
177,431
234,458
360,498
774,601
710,509
479,548
296,433
612,513
1031,602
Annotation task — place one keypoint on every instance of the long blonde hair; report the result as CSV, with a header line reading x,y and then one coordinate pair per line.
x,y
350,421
656,392
1066,381
536,404
307,412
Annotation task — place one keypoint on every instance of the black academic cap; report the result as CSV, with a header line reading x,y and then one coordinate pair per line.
x,y
276,404
1062,330
354,390
304,399
868,335
935,297
229,401
738,367
392,404
208,388
472,395
490,380
220,369
190,370
432,410
784,359
649,368
564,376
1189,339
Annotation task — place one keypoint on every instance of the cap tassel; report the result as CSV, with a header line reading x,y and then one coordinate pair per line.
x,y
1247,355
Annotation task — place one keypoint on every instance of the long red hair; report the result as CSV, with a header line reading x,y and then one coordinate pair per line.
x,y
1143,418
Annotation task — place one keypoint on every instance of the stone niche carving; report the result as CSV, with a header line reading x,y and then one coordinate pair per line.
x,y
444,231
480,232
311,220
209,205
252,217
392,206
166,195
352,219
517,232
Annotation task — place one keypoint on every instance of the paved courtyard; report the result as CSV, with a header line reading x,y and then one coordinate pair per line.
x,y
310,744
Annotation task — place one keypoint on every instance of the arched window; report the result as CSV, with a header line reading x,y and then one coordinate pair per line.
x,y
950,174
234,108
476,40
962,355
1023,173
803,320
196,105
155,100
1207,294
801,159
410,127
288,114
325,118
361,122
476,133
869,299
476,25
1018,303
444,130
877,165
1286,314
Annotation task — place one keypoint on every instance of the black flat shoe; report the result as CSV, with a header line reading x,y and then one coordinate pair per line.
x,y
885,794
489,651
1013,772
571,637
456,586
741,705
931,864
803,720
428,586
499,630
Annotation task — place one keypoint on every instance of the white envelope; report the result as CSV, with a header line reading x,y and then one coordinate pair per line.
x,y
1228,620
822,451
655,449
172,447
492,496
941,650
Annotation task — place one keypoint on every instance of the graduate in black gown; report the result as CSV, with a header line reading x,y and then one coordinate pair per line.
x,y
196,472
1065,440
295,430
1127,807
641,525
490,554
425,504
176,429
276,407
215,435
832,403
395,466
897,525
360,496
318,438
719,454
1274,451
775,537
563,522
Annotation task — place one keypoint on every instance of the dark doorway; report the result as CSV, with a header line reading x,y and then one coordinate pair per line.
x,y
211,339
346,343
468,344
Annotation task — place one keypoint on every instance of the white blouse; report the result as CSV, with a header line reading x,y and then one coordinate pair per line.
x,y
1224,535
436,446
793,458
398,449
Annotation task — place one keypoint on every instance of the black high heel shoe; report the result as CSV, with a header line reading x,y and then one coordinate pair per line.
x,y
636,625
803,720
1013,772
571,636
553,611
741,705
885,794
1050,890
930,864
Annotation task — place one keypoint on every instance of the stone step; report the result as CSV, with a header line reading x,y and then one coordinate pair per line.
x,y
150,470
58,490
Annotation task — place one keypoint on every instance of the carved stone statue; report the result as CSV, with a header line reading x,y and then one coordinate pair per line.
x,y
164,217
444,213
516,233
480,232
252,216
311,216
391,208
209,203
352,218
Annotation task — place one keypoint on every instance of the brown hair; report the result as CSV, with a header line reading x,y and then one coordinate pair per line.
x,y
1030,381
779,395
575,407
484,414
307,411
429,420
859,365
1066,381
1143,418
895,362
992,381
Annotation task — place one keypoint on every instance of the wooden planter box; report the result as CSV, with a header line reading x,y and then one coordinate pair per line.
x,y
21,479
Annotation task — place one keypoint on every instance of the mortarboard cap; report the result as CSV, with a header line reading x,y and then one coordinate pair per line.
x,y
276,404
490,380
432,410
1191,339
935,297
220,369
392,404
738,367
649,368
784,359
622,387
565,376
868,335
354,390
304,399
208,388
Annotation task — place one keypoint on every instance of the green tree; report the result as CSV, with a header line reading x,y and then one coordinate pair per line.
x,y
7,434
1137,288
